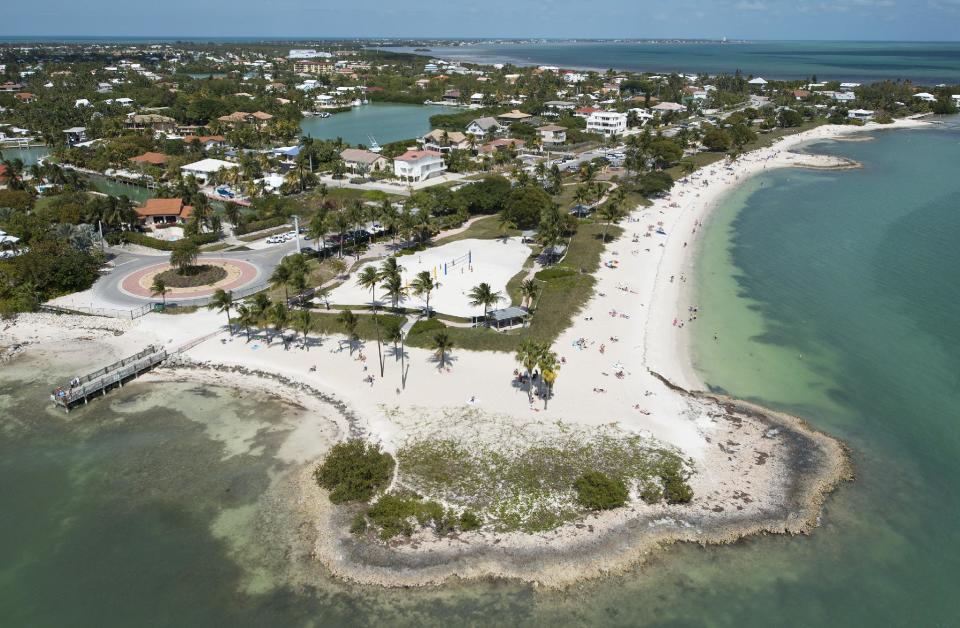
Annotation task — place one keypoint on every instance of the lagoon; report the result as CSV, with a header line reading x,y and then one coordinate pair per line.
x,y
384,122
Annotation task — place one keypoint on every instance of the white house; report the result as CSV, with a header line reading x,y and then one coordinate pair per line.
x,y
608,123
476,100
848,87
956,99
860,114
926,97
418,165
666,107
82,102
757,82
844,96
552,134
481,127
308,53
574,77
203,169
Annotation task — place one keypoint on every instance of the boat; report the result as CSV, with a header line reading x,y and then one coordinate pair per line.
x,y
374,146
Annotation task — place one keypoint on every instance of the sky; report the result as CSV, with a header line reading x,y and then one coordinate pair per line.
x,y
735,19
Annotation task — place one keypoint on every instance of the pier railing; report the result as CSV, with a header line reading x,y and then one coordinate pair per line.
x,y
82,388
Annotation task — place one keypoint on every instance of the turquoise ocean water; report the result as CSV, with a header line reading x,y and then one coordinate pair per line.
x,y
833,295
923,62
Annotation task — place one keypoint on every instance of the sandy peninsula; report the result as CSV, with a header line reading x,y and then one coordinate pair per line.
x,y
756,471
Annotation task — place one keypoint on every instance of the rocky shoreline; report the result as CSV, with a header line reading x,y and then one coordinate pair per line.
x,y
792,468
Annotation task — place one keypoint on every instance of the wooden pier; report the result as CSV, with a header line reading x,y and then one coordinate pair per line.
x,y
98,382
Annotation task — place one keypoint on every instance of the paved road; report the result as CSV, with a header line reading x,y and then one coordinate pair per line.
x,y
107,293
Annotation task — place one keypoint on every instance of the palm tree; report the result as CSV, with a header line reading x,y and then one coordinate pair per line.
x,y
246,318
580,195
393,287
528,355
318,228
422,285
233,214
394,334
279,315
441,345
610,213
548,372
303,323
222,302
529,291
368,279
389,268
160,287
281,277
349,321
483,295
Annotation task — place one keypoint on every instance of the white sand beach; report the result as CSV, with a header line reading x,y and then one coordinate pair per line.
x,y
630,337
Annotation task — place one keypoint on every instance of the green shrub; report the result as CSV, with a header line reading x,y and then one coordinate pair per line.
x,y
469,521
393,515
134,237
598,491
260,225
359,524
676,490
354,471
555,273
651,493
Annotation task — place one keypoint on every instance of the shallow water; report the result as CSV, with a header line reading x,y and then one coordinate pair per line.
x,y
142,509
385,122
928,63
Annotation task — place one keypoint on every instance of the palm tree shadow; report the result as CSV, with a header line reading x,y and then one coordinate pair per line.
x,y
448,360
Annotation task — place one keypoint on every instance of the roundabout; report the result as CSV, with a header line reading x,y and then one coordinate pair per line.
x,y
236,274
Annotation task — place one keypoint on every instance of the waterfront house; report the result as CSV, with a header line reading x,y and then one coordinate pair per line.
x,y
484,127
607,123
552,134
860,114
257,118
418,165
848,87
444,141
151,159
451,96
75,135
164,211
925,97
758,82
476,100
358,160
205,168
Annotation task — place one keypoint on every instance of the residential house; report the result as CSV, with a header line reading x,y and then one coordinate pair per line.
x,y
203,170
560,105
82,102
75,135
150,158
152,121
484,127
758,82
257,118
445,141
358,160
10,87
848,87
925,97
25,97
418,165
506,143
552,134
607,123
164,211
476,100
312,67
207,141
800,94
860,114
451,96
512,116
667,107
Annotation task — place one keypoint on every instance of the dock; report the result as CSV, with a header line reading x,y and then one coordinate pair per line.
x,y
101,380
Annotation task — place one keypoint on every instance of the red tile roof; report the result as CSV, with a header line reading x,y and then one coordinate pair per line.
x,y
165,207
415,155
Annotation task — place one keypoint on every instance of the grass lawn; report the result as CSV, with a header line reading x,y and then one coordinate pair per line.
x,y
486,228
318,273
565,198
560,299
327,323
253,237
